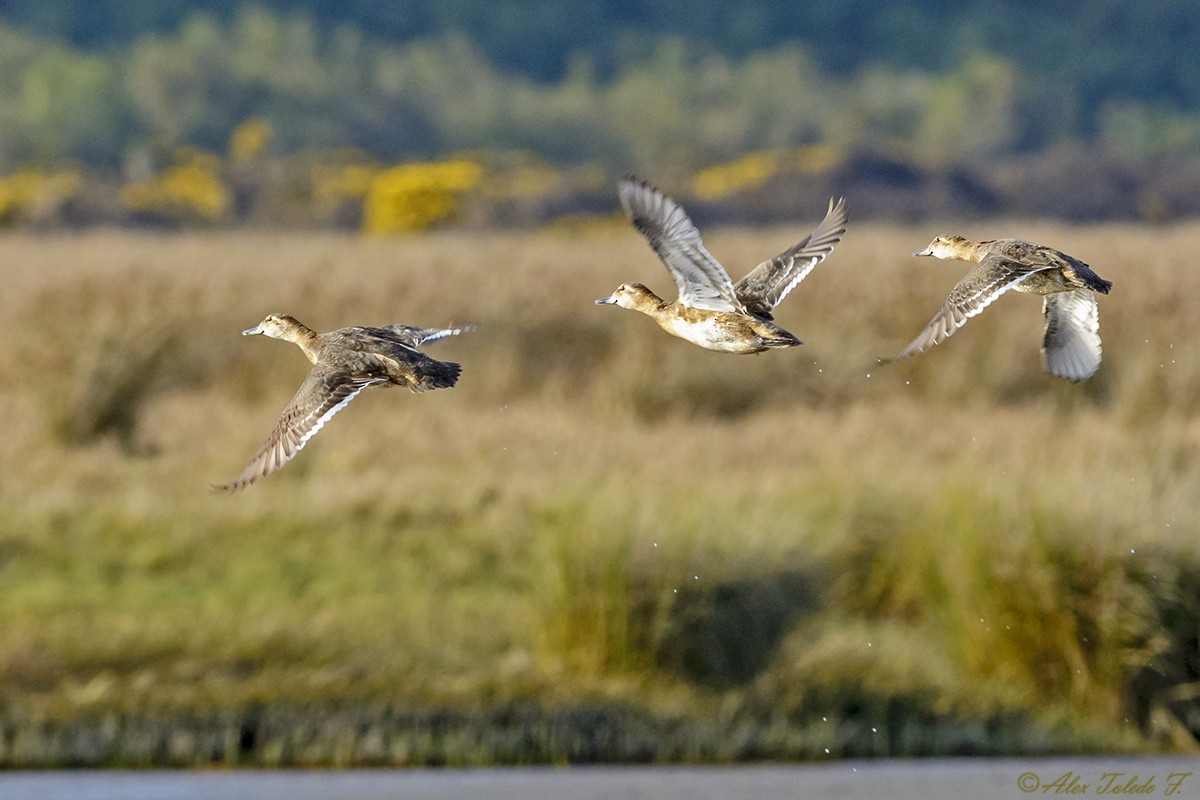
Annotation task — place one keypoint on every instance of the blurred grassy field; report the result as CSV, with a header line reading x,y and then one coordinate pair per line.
x,y
604,543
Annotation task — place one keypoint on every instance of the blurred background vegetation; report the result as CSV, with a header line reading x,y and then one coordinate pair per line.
x,y
225,112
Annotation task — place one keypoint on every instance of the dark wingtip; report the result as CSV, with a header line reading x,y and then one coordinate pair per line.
x,y
636,180
447,376
783,341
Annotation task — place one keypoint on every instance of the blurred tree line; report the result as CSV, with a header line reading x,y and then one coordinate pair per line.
x,y
977,106
1106,49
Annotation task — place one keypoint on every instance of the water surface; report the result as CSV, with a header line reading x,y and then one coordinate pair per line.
x,y
971,779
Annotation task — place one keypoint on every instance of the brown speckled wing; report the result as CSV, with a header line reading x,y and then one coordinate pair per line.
x,y
323,393
766,285
991,277
701,280
1071,346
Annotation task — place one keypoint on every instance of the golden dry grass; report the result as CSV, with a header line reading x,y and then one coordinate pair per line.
x,y
599,514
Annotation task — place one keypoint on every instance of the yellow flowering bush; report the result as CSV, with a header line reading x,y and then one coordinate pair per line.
x,y
36,193
336,183
413,197
191,190
250,140
756,168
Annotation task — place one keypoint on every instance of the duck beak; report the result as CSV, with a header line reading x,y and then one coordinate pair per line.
x,y
606,301
925,252
257,329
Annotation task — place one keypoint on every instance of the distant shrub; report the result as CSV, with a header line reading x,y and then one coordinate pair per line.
x,y
414,197
37,194
335,183
191,190
250,140
756,168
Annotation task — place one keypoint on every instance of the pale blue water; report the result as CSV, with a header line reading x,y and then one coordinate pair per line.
x,y
965,779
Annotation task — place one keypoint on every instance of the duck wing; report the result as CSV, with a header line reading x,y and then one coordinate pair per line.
x,y
700,278
1076,272
1071,347
415,337
765,286
322,394
992,276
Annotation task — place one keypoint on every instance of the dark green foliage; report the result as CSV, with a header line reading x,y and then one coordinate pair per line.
x,y
114,83
724,635
387,735
1107,49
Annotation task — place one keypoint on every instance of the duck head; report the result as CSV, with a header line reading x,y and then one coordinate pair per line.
x,y
277,326
945,247
631,295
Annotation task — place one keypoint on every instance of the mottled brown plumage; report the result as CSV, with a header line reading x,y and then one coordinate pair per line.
x,y
1071,341
345,362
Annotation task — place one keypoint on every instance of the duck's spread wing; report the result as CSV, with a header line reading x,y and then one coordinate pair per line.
x,y
414,337
991,277
1071,346
323,393
766,285
701,280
